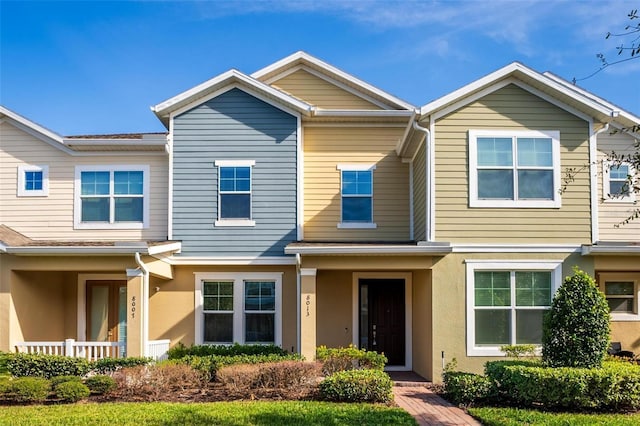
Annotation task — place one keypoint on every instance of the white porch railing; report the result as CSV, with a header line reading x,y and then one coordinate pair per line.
x,y
156,349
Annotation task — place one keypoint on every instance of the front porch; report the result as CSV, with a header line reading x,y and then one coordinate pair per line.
x,y
92,351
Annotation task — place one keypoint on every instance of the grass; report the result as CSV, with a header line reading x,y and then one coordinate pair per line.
x,y
492,416
218,413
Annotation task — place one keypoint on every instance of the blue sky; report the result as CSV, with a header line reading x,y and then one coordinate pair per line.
x,y
92,67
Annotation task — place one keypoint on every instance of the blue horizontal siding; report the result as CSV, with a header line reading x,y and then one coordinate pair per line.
x,y
234,126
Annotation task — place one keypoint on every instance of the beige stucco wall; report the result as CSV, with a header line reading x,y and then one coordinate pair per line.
x,y
51,217
324,149
449,303
612,211
335,302
422,324
509,108
320,92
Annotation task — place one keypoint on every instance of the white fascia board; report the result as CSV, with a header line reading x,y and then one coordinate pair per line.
x,y
26,122
374,249
511,69
361,113
610,249
163,109
515,248
212,261
77,250
115,142
334,72
175,247
3,247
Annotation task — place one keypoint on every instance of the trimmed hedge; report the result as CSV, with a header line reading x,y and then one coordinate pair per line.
x,y
467,388
100,384
55,381
29,389
615,386
349,358
47,366
180,351
357,386
109,365
209,365
71,391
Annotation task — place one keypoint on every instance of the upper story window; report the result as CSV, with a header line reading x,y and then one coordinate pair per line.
x,y
356,188
234,193
33,181
514,168
617,182
506,302
111,197
622,292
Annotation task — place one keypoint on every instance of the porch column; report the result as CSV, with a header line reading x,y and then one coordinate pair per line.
x,y
308,313
5,305
135,282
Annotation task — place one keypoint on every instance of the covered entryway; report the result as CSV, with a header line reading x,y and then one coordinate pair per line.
x,y
382,317
107,311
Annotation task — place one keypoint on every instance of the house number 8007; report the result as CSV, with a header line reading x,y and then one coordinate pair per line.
x,y
133,307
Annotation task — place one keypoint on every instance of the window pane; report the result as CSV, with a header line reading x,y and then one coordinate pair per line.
x,y
235,179
495,184
259,328
492,327
127,183
235,206
356,182
218,328
33,181
94,183
533,288
218,296
535,184
620,172
535,152
95,210
492,288
529,326
356,209
620,304
259,296
623,288
128,209
495,152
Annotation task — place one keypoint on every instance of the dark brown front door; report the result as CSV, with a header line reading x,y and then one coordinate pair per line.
x,y
382,318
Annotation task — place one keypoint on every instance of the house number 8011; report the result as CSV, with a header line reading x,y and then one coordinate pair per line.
x,y
133,307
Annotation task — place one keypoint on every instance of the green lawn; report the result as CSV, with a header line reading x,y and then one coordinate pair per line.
x,y
218,413
491,416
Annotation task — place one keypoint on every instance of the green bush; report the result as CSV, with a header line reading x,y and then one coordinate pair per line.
x,y
576,329
4,357
517,351
5,385
614,386
181,351
357,386
349,358
71,391
55,381
100,384
209,365
467,388
29,389
47,366
109,365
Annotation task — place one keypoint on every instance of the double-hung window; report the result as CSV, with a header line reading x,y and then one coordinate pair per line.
x,y
621,291
234,193
33,181
238,308
506,302
617,182
514,168
111,197
356,189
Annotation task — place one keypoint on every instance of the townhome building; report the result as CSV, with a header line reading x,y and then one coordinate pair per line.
x,y
301,206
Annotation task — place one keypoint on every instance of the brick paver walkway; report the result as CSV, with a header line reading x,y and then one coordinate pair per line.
x,y
428,408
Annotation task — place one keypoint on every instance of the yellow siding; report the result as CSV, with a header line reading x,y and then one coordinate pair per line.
x,y
320,93
509,108
612,212
327,147
52,217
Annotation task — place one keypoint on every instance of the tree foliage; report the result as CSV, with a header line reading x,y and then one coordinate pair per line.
x,y
576,329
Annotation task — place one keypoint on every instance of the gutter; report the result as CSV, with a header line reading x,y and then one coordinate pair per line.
x,y
427,174
57,250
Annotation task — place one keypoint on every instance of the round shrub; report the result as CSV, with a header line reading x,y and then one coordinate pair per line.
x,y
29,389
72,391
466,388
100,384
55,381
357,386
47,366
576,329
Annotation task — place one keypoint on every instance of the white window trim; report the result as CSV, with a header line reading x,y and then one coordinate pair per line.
x,y
554,266
623,276
77,210
22,191
238,279
474,201
356,168
236,222
606,176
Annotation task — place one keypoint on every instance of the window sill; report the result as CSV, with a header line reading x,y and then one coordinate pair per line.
x,y
511,204
494,351
107,226
625,317
355,225
33,194
235,222
621,200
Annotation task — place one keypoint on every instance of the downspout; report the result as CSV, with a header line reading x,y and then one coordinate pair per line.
x,y
298,301
427,152
593,172
145,304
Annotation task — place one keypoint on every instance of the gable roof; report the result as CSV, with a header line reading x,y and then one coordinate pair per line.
x,y
330,73
209,88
